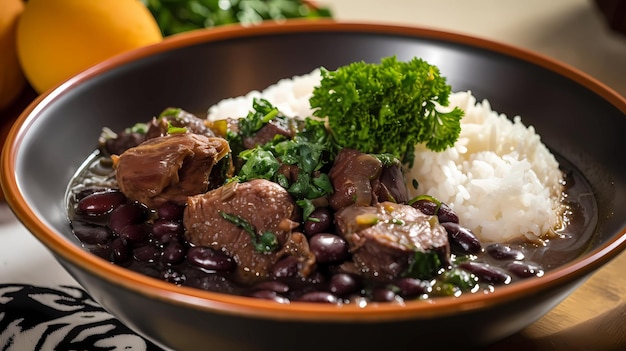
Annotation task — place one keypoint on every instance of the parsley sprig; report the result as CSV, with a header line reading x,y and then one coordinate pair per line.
x,y
388,107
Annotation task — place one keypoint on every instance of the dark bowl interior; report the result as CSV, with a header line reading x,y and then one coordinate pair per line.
x,y
578,118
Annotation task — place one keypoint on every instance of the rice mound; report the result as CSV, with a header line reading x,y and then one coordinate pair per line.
x,y
499,177
290,95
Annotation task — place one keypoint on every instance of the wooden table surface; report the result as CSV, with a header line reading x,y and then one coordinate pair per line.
x,y
592,318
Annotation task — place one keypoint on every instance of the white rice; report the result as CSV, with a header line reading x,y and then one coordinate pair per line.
x,y
499,177
290,95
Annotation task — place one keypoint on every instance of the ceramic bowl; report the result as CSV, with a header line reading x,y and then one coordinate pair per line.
x,y
580,120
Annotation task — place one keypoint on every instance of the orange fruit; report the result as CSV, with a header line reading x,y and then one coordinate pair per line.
x,y
57,39
12,80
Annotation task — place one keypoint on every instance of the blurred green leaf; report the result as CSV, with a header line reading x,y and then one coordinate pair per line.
x,y
177,16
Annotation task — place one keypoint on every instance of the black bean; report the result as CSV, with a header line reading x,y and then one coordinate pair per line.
x,y
319,296
87,191
173,253
171,212
134,233
121,250
487,273
272,285
410,287
90,233
127,214
270,295
166,230
100,203
383,295
319,221
342,284
462,239
146,253
328,248
427,207
504,252
286,267
207,258
166,238
525,269
446,214
443,212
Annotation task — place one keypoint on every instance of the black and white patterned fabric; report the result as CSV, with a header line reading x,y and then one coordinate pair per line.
x,y
65,318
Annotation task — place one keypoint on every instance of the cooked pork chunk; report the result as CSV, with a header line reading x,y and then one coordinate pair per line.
x,y
268,132
157,127
178,118
266,207
362,179
169,168
383,238
351,176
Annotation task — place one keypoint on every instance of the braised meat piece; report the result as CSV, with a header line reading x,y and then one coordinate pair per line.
x,y
262,205
391,185
178,118
169,168
116,143
362,179
267,133
351,176
383,238
122,141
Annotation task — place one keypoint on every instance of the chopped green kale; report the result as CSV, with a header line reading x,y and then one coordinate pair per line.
x,y
425,265
311,150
